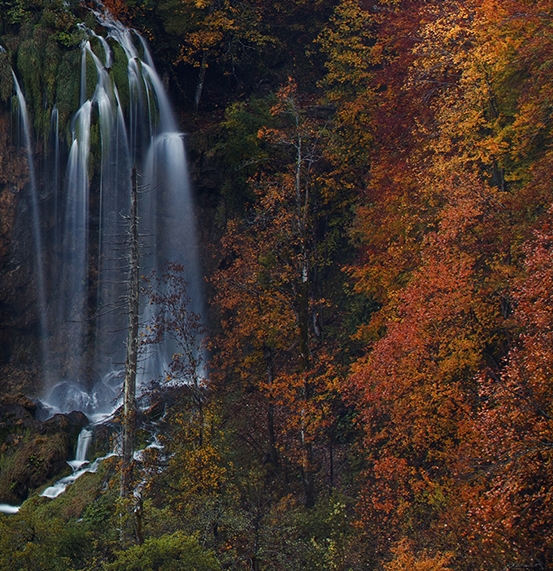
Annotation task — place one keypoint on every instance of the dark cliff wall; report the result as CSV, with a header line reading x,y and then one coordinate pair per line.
x,y
18,314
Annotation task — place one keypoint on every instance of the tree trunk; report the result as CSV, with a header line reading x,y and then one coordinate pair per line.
x,y
308,476
201,80
129,406
273,454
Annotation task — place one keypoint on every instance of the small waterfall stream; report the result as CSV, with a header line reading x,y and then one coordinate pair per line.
x,y
79,465
82,448
35,216
8,509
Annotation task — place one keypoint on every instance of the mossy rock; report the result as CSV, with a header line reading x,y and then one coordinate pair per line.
x,y
33,452
91,497
102,442
38,458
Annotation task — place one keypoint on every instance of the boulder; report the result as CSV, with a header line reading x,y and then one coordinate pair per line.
x,y
33,451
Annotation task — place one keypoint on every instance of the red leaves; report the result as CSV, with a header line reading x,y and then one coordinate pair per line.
x,y
517,420
449,104
416,386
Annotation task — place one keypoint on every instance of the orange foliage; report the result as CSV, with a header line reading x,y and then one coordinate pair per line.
x,y
459,178
442,132
118,9
516,422
416,384
405,560
268,292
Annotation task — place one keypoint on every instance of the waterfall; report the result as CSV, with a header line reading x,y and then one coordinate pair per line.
x,y
79,465
82,447
72,308
83,297
35,216
53,172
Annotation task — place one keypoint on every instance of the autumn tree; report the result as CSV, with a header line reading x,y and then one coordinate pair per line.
x,y
441,252
348,41
270,293
373,136
516,424
221,34
416,389
177,330
404,559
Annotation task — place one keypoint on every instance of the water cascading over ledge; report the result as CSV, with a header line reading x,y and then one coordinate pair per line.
x,y
80,254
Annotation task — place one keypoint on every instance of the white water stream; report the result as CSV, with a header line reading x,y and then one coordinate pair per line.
x,y
35,215
76,465
7,509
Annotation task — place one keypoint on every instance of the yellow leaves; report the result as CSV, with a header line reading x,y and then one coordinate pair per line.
x,y
219,29
467,67
461,124
203,471
460,354
444,39
199,463
348,42
405,558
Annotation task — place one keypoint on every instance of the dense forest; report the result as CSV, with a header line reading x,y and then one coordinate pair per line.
x,y
373,182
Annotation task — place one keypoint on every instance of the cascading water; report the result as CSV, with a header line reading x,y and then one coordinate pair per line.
x,y
8,509
83,302
79,465
35,215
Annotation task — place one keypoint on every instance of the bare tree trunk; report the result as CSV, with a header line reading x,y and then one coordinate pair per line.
x,y
129,406
302,300
308,476
201,80
273,454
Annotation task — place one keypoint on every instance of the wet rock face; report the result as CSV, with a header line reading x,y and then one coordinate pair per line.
x,y
71,423
33,451
14,175
16,410
18,321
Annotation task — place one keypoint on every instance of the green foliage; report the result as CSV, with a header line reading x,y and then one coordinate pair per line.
x,y
38,59
166,553
29,61
98,513
16,11
90,500
242,151
44,35
119,73
289,536
43,44
68,85
31,543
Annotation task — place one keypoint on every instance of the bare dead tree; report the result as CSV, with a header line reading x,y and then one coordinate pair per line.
x,y
129,387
